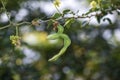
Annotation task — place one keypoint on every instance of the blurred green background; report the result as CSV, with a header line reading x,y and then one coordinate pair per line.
x,y
93,55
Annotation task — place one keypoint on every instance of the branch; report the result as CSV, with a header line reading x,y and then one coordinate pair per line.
x,y
44,21
5,27
14,24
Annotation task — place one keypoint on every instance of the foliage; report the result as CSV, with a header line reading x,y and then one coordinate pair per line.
x,y
90,56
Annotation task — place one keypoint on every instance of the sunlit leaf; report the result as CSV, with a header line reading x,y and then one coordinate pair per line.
x,y
69,22
56,15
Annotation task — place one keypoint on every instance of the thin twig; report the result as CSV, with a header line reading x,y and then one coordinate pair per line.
x,y
6,11
22,23
58,9
17,31
7,26
19,24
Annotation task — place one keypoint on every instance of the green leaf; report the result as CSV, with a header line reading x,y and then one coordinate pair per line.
x,y
66,11
91,10
118,12
88,12
69,22
50,22
99,17
85,23
108,19
56,15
